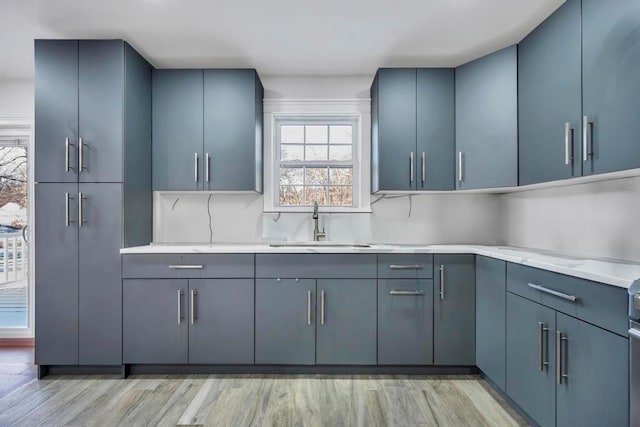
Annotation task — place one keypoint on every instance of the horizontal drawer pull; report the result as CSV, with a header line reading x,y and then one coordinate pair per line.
x,y
406,266
407,293
634,333
571,298
186,267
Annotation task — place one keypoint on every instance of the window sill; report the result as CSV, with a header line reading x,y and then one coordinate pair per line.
x,y
321,209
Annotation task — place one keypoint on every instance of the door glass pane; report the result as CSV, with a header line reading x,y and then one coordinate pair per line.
x,y
13,249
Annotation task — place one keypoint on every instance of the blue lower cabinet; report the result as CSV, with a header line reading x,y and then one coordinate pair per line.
x,y
491,322
346,322
595,391
531,358
405,321
285,321
221,322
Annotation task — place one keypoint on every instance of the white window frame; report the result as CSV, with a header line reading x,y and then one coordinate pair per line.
x,y
356,111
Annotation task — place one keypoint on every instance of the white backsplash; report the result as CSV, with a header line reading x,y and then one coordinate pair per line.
x,y
462,218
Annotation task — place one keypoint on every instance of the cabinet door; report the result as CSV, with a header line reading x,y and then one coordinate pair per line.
x,y
596,363
56,110
155,328
435,132
491,311
611,83
396,134
177,129
56,275
100,275
230,138
532,388
285,324
454,310
487,121
549,98
405,322
346,322
101,109
221,322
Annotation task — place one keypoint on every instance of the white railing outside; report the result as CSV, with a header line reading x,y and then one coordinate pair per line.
x,y
13,257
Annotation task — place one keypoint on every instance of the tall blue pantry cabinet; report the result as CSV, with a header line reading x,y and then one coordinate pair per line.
x,y
92,194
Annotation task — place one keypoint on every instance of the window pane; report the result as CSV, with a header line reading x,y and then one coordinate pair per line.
x,y
340,135
291,195
340,152
316,176
341,176
317,152
292,134
291,176
317,135
291,152
341,196
316,194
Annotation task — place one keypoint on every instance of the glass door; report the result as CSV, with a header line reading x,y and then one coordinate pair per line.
x,y
14,251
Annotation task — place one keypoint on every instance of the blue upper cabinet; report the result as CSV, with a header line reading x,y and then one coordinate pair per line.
x,y
232,130
412,129
207,130
79,110
435,129
177,139
611,85
486,121
393,148
549,98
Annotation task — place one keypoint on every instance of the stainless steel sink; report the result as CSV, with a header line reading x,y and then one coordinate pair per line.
x,y
318,245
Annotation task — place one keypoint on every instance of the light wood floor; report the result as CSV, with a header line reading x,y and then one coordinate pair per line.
x,y
242,400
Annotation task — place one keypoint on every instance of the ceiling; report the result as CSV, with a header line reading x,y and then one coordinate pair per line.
x,y
277,37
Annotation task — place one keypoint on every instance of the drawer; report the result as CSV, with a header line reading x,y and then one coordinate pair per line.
x,y
197,266
405,266
596,303
316,266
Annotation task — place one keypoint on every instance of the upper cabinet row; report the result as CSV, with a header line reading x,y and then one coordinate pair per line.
x,y
561,104
207,130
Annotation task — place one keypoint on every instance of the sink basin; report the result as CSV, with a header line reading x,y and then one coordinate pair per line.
x,y
318,245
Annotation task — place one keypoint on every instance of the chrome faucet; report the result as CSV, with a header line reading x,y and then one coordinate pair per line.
x,y
317,234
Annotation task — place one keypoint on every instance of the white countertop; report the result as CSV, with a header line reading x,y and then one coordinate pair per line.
x,y
612,272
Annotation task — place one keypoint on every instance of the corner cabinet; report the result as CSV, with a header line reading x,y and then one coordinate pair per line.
x,y
93,193
487,122
413,118
207,130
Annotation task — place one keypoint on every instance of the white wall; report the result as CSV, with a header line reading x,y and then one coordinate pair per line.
x,y
16,98
240,218
599,219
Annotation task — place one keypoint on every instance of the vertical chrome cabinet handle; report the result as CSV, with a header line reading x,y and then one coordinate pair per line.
x,y
80,220
442,282
180,306
80,155
322,307
66,154
541,347
460,166
192,306
586,138
195,167
568,143
309,307
560,375
67,220
424,167
411,171
207,167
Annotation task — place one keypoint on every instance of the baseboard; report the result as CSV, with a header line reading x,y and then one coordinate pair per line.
x,y
16,342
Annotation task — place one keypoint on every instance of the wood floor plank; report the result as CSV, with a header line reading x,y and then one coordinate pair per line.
x,y
179,401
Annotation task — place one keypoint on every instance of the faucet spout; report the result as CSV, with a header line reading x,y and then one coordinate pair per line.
x,y
317,234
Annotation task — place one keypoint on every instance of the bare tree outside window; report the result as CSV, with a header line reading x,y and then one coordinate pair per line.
x,y
316,164
13,180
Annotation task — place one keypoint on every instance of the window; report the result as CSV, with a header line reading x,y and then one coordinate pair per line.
x,y
316,161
